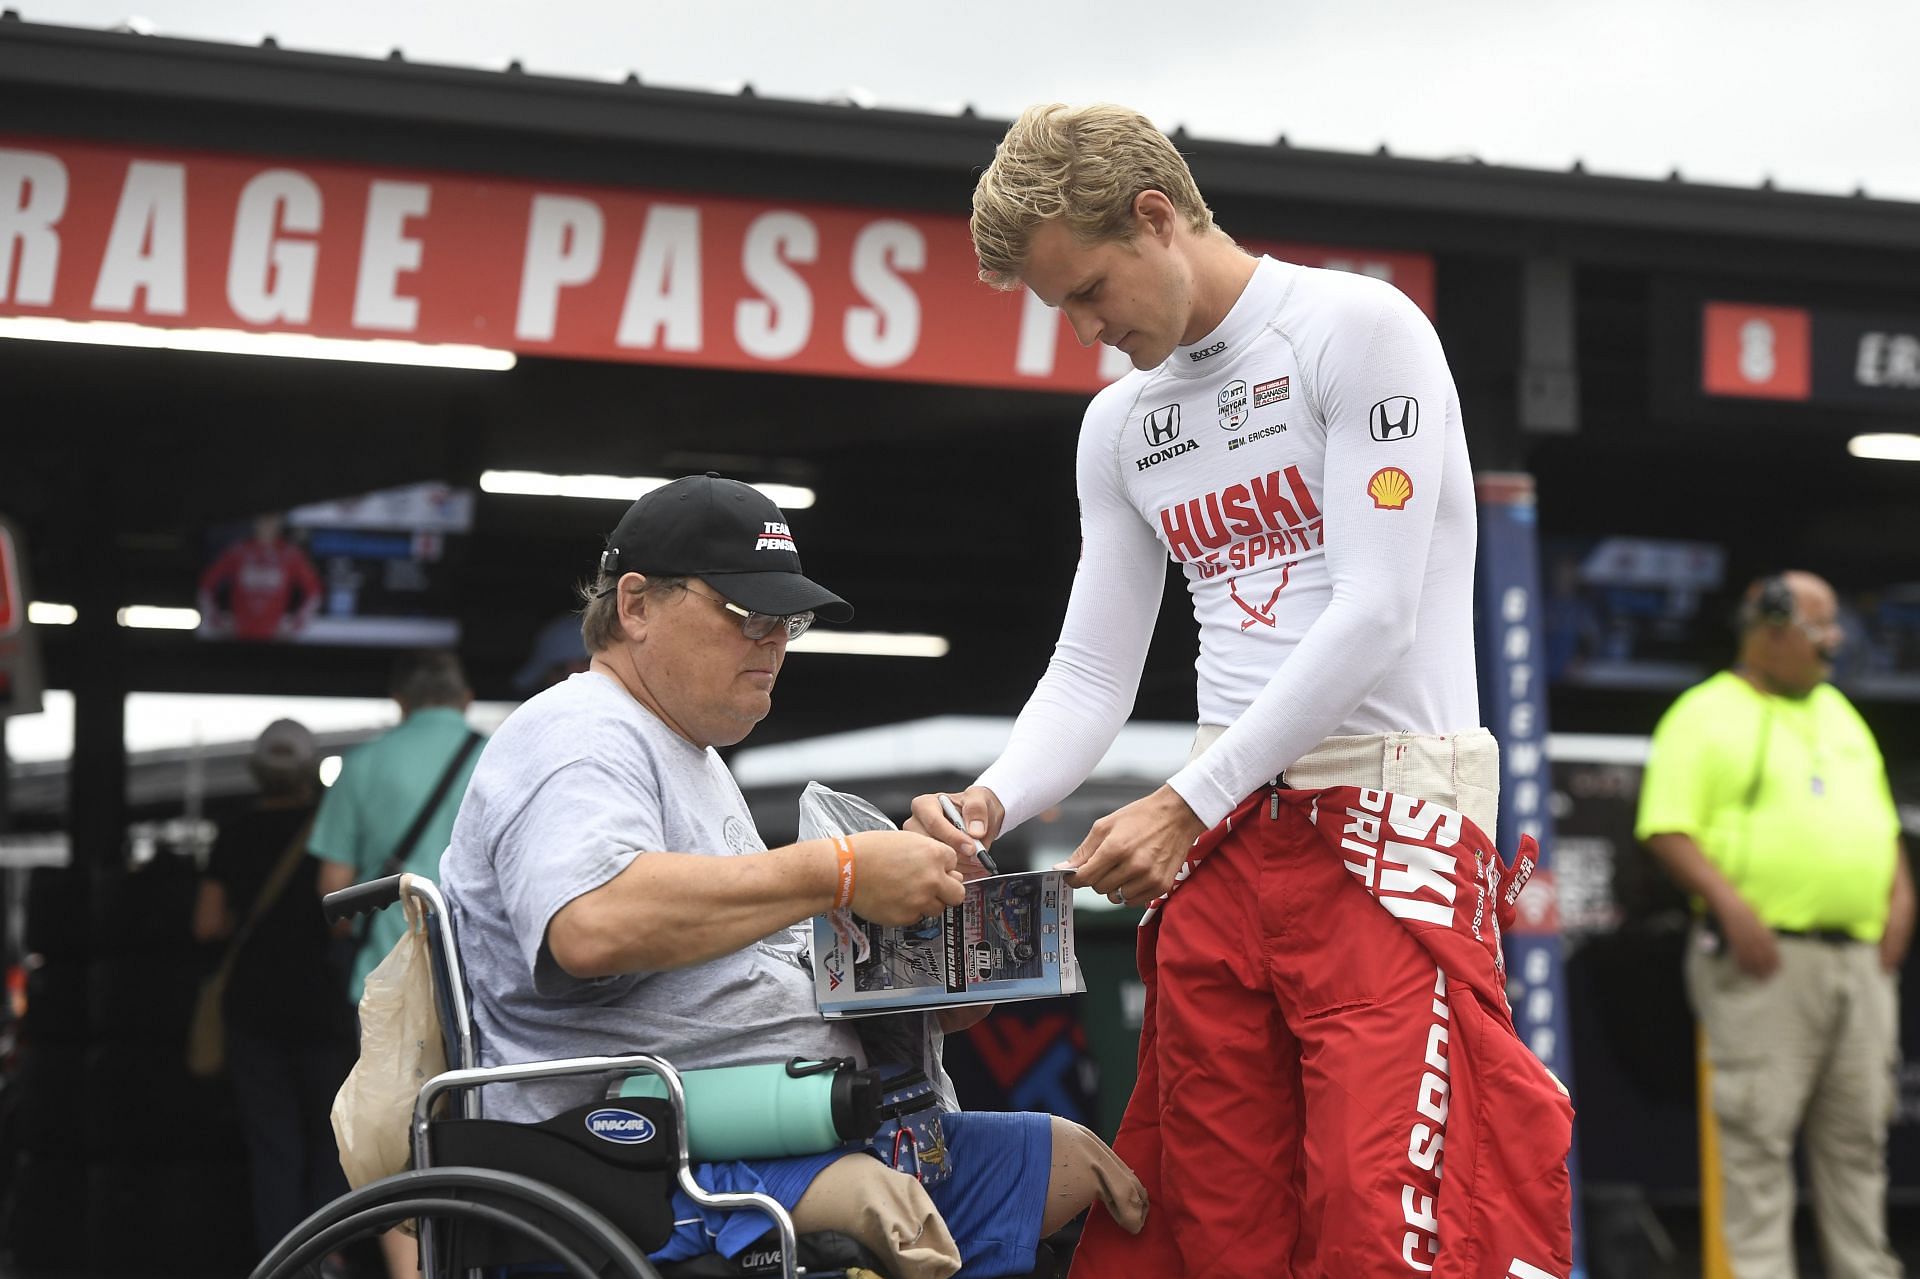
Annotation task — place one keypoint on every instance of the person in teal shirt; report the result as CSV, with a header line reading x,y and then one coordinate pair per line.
x,y
382,787
1766,797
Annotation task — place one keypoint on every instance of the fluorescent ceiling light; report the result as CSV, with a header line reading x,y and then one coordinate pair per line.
x,y
299,346
870,643
625,488
42,613
150,617
1889,448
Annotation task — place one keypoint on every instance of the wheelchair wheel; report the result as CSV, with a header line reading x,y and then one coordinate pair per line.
x,y
469,1194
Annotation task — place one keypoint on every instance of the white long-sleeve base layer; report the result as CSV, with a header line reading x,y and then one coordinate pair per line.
x,y
1305,465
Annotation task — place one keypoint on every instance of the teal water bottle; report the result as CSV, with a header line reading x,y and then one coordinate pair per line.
x,y
797,1107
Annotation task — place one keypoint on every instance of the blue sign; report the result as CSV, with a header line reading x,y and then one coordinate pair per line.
x,y
1513,698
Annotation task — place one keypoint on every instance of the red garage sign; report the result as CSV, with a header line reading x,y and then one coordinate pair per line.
x,y
182,239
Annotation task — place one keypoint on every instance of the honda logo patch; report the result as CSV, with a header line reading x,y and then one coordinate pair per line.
x,y
1163,425
1394,419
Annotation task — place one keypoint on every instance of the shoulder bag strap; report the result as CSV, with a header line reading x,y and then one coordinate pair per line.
x,y
398,857
269,893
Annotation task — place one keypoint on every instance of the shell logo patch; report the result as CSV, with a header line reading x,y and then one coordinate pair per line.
x,y
1390,488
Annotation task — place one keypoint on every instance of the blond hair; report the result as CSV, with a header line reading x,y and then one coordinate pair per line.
x,y
1082,165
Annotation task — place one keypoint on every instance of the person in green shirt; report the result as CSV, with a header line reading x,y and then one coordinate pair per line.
x,y
1766,798
384,784
384,798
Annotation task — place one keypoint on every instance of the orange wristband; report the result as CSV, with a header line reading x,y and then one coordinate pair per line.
x,y
843,873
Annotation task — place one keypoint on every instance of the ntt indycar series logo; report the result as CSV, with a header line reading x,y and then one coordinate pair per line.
x,y
622,1127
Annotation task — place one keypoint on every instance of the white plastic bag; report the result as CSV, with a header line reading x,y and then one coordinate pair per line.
x,y
905,1039
400,1049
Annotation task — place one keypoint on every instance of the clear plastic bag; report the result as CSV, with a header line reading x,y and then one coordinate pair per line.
x,y
912,1040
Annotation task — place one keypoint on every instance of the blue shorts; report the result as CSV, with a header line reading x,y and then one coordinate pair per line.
x,y
992,1203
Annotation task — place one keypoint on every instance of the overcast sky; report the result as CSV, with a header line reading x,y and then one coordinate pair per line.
x,y
1820,97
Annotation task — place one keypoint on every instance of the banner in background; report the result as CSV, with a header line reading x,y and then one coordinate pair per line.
x,y
1513,701
180,239
1810,355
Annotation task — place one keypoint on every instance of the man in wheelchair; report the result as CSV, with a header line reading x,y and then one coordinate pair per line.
x,y
612,895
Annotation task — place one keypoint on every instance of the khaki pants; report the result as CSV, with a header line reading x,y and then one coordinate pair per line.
x,y
1814,1045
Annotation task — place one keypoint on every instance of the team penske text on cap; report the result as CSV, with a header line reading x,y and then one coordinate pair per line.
x,y
726,533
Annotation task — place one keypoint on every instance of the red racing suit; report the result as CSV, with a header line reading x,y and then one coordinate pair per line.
x,y
1325,1016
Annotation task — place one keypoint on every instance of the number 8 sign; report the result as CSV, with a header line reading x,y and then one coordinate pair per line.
x,y
1757,352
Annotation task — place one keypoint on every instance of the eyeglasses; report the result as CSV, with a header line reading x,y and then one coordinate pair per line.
x,y
757,626
1819,632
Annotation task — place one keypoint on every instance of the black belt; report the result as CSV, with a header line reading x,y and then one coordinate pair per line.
x,y
1830,936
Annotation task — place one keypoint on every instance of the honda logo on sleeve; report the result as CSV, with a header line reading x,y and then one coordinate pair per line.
x,y
1163,425
1394,419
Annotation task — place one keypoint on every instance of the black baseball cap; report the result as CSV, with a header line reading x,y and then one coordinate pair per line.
x,y
727,533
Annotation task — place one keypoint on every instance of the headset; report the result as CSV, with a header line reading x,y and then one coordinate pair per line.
x,y
1772,603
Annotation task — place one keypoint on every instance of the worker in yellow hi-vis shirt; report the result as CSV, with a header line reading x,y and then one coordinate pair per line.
x,y
1766,798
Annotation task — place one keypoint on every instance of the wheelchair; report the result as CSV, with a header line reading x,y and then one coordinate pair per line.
x,y
538,1199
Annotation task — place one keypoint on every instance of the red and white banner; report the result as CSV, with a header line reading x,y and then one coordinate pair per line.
x,y
193,240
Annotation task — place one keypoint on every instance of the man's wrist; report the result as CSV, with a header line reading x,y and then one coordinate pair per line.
x,y
1177,804
819,869
1727,904
1198,794
842,872
1005,792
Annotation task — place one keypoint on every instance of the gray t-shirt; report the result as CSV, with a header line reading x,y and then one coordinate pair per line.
x,y
574,785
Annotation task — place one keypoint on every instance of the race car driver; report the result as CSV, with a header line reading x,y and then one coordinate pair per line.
x,y
1292,439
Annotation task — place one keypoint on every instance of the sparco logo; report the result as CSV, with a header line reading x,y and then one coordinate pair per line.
x,y
1394,419
1158,456
621,1126
1162,426
1208,354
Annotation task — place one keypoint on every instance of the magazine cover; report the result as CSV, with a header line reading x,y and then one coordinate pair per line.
x,y
1011,939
